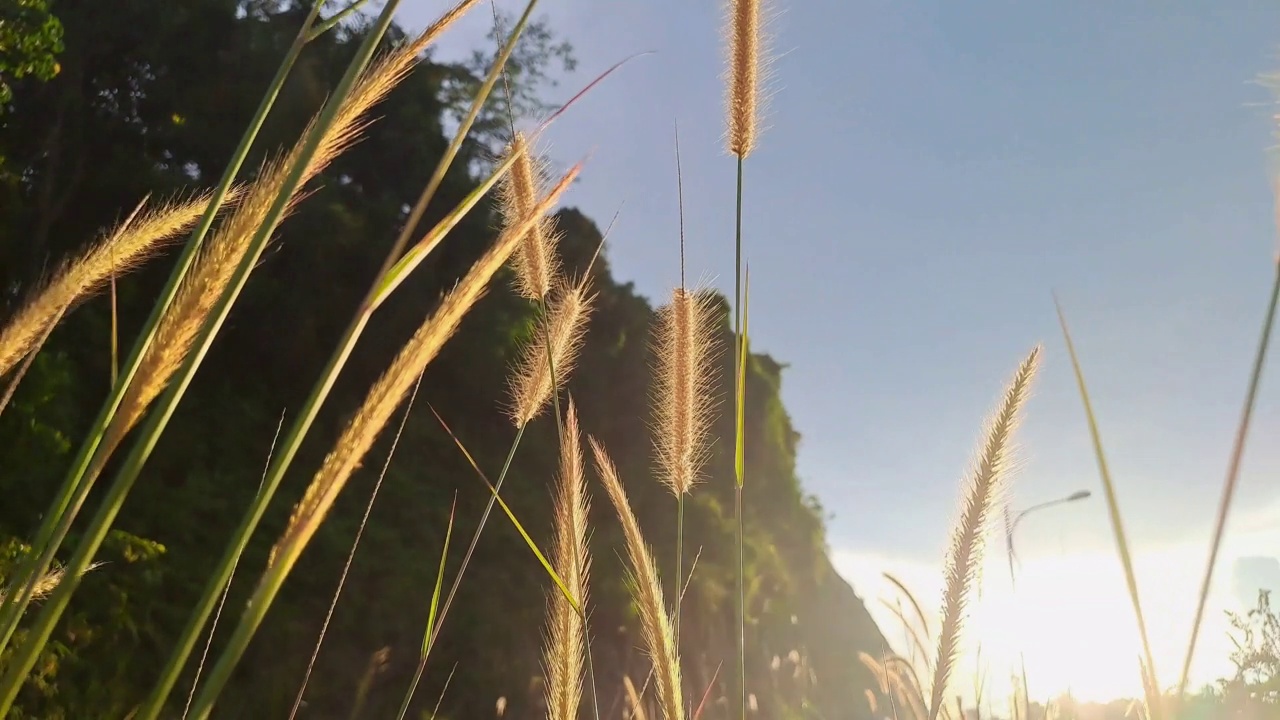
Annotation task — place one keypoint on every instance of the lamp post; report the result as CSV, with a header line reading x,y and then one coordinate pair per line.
x,y
1011,523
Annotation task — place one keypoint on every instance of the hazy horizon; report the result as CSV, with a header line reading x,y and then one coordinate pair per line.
x,y
930,175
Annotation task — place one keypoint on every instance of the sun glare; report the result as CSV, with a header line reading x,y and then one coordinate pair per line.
x,y
1069,618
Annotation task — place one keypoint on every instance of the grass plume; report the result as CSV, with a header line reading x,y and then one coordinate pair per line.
x,y
558,339
565,648
647,591
746,72
982,489
124,248
683,402
536,263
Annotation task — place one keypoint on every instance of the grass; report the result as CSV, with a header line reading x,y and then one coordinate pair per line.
x,y
213,267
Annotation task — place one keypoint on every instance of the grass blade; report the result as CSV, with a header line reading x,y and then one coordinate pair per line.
x,y
542,559
1233,474
355,545
451,152
1113,510
431,617
195,681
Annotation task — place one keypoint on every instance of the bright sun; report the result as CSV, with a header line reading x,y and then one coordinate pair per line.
x,y
1070,617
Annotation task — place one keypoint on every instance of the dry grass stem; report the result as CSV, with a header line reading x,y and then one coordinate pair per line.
x,y
223,254
745,74
390,390
646,588
897,682
683,402
634,705
536,264
558,340
982,490
565,647
124,248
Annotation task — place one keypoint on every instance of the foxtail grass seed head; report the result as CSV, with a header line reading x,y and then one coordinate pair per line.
x,y
646,589
982,490
683,403
557,342
536,264
745,75
124,249
565,646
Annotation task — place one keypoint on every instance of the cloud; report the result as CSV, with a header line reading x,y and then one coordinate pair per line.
x,y
1251,574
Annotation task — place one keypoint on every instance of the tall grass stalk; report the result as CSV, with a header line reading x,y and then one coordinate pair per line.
x,y
1154,701
355,545
217,615
72,486
515,521
532,386
983,487
1233,475
383,397
743,102
557,340
569,596
646,589
564,647
683,405
431,618
740,476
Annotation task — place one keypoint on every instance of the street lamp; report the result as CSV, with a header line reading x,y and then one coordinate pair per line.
x,y
1011,524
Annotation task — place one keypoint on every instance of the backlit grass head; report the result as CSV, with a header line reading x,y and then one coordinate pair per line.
x,y
683,401
536,263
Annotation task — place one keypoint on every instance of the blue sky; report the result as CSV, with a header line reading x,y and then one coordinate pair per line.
x,y
931,172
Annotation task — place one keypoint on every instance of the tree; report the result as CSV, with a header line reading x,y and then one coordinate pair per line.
x,y
30,39
1256,636
528,73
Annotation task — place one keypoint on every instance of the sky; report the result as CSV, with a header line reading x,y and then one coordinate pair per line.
x,y
930,174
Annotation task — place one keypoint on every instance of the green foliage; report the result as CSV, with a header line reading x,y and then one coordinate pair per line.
x,y
107,641
527,72
1256,635
30,39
